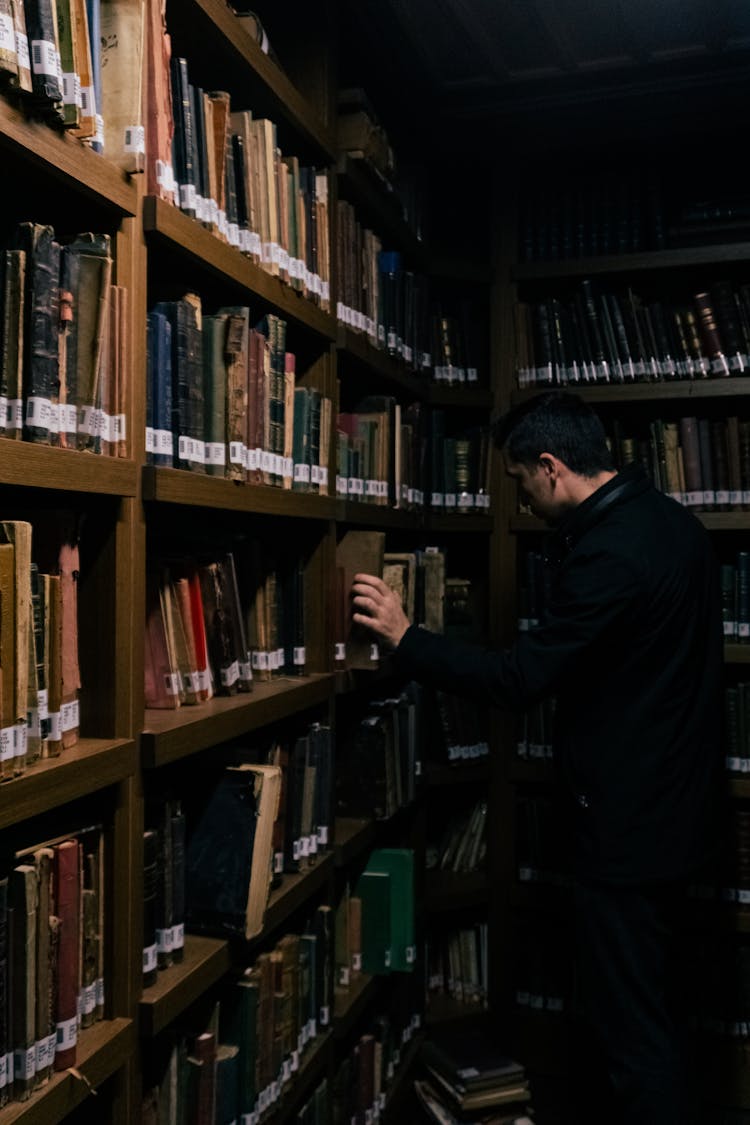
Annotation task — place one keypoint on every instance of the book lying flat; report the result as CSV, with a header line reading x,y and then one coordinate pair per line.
x,y
465,1053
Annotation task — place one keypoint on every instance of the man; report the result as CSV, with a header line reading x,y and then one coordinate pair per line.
x,y
631,647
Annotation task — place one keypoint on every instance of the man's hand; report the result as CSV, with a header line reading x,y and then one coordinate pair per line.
x,y
378,608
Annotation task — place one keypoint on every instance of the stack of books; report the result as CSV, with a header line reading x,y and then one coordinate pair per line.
x,y
469,1078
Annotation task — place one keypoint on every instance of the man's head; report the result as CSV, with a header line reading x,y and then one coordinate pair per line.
x,y
555,447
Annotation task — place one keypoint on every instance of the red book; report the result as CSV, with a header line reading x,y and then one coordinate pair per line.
x,y
67,907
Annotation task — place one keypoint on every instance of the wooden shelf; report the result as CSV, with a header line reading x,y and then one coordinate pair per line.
x,y
265,86
461,773
294,891
188,238
180,486
682,258
377,515
401,1084
351,837
65,470
468,523
739,787
206,960
350,1003
102,1050
736,654
169,736
620,393
65,159
91,765
455,890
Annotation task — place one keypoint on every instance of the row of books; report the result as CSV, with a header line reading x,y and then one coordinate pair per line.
x,y
590,216
596,336
51,958
461,734
254,822
39,706
403,458
215,626
735,599
374,921
64,61
225,169
222,400
396,310
64,332
243,1062
379,760
366,1075
461,844
457,964
702,463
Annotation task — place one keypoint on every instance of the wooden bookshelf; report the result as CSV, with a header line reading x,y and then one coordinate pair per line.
x,y
180,486
446,1009
712,521
70,470
650,261
92,764
294,891
313,1066
169,736
619,394
464,773
466,523
206,960
381,209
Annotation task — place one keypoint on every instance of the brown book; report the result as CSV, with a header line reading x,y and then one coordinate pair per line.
x,y
204,1050
122,37
45,1016
720,460
18,533
67,890
360,552
162,687
7,660
355,935
709,331
733,458
13,281
692,461
86,128
24,80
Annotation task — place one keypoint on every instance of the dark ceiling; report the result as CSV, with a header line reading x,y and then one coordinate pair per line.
x,y
547,65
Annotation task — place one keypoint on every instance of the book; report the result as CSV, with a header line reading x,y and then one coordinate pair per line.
x,y
229,851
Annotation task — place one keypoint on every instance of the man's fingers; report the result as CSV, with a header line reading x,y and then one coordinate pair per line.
x,y
372,581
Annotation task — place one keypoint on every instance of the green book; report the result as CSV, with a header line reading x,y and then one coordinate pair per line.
x,y
374,888
215,393
301,439
398,864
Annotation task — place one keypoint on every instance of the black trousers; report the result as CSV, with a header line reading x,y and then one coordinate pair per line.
x,y
627,950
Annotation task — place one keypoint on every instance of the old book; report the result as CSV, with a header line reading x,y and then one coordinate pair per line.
x,y
230,851
45,947
87,269
69,567
38,716
360,552
67,885
12,297
159,434
177,644
215,394
398,864
82,37
92,992
8,52
41,324
122,47
162,686
8,686
236,355
41,28
150,891
374,890
18,533
24,903
198,674
158,121
6,1037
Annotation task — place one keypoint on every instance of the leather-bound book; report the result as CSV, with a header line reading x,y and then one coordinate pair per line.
x,y
162,689
159,389
87,271
12,297
218,630
360,552
86,127
69,568
8,52
18,533
204,1106
150,891
215,394
67,883
41,28
6,1043
122,47
41,325
227,1084
8,730
44,1013
158,120
23,81
177,830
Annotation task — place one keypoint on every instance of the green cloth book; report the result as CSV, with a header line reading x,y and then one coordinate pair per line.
x,y
398,865
374,888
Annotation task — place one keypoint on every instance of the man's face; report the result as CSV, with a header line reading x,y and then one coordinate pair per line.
x,y
536,488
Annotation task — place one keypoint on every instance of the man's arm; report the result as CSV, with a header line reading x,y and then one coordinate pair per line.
x,y
596,595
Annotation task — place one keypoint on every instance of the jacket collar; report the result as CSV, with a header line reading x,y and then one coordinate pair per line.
x,y
630,482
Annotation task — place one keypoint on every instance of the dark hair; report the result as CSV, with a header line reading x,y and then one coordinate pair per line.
x,y
559,423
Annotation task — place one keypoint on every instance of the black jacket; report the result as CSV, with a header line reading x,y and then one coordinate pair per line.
x,y
632,648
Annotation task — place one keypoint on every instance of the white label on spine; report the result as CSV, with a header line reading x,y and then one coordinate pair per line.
x,y
164,443
216,453
55,726
71,88
178,936
374,652
172,683
302,473
67,1034
38,411
14,416
87,999
44,58
149,958
299,655
21,740
4,1070
230,674
165,940
339,652
7,33
7,744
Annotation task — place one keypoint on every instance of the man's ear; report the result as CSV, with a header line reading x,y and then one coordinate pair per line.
x,y
549,465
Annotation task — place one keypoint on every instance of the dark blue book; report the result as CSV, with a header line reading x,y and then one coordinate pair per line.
x,y
159,389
